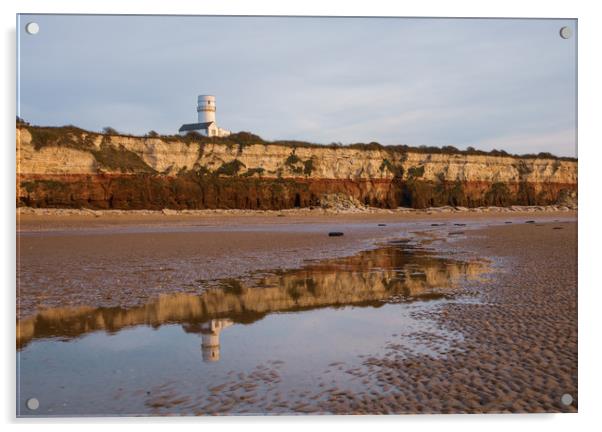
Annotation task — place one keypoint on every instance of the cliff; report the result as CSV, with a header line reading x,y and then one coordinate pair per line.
x,y
70,167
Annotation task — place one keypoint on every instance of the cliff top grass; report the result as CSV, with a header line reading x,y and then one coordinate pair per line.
x,y
75,137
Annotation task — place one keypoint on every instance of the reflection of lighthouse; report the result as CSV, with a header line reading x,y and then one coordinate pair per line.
x,y
210,338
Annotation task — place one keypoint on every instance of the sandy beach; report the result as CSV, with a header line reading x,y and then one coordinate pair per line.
x,y
520,340
504,339
127,258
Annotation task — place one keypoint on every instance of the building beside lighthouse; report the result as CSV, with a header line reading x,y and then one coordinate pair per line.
x,y
206,125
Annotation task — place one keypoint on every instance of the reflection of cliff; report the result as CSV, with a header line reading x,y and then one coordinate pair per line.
x,y
364,279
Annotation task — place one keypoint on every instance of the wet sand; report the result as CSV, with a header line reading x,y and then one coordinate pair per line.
x,y
130,258
517,353
29,219
128,265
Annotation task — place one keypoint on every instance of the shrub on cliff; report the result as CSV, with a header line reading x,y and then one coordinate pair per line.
x,y
523,169
543,155
449,150
251,172
457,197
245,138
308,167
296,144
64,136
120,158
31,186
416,171
495,152
386,164
230,168
292,160
498,195
370,146
108,130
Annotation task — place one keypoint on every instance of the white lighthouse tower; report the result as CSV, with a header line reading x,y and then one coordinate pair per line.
x,y
206,108
206,119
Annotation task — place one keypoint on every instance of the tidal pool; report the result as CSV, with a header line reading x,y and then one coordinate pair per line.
x,y
275,342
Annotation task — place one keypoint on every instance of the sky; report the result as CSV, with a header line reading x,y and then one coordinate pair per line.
x,y
487,83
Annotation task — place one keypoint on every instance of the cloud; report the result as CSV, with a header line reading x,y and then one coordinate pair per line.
x,y
414,81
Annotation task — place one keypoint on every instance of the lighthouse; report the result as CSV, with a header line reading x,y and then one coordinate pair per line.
x,y
206,108
206,124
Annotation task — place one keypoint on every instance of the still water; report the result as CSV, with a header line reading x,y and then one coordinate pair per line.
x,y
276,342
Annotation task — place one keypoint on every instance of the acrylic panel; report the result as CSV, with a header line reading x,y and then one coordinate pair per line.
x,y
241,215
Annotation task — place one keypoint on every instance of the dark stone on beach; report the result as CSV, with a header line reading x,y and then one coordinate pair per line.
x,y
382,224
456,233
399,242
436,224
530,222
507,222
335,234
459,224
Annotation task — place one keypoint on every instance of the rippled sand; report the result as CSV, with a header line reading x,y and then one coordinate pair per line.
x,y
517,353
